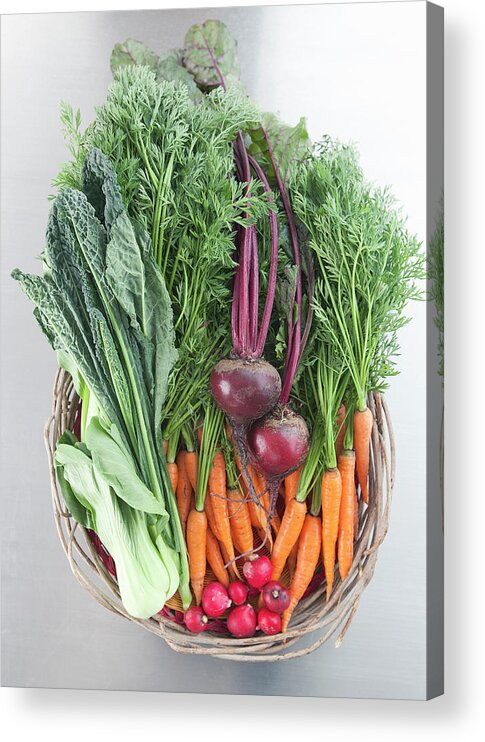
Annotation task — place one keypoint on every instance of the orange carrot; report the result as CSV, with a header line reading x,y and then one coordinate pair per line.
x,y
257,513
339,442
173,473
217,489
290,490
214,557
227,559
211,518
291,561
291,485
346,465
288,534
184,490
363,421
241,530
309,547
191,466
331,497
196,546
276,523
165,446
266,502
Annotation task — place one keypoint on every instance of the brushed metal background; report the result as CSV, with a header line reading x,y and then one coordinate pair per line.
x,y
356,72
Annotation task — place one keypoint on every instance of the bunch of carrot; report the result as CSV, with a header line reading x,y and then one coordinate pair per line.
x,y
311,531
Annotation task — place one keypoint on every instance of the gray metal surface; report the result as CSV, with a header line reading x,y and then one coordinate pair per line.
x,y
356,72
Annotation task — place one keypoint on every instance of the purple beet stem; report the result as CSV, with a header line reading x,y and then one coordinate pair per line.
x,y
248,268
253,291
273,265
295,347
246,339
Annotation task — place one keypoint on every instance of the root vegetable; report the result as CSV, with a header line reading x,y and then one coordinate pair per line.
x,y
214,557
241,621
257,571
291,525
276,597
245,389
196,535
269,622
363,421
279,443
215,600
309,548
242,533
195,619
238,592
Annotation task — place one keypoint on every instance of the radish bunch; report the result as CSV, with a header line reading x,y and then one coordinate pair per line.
x,y
242,620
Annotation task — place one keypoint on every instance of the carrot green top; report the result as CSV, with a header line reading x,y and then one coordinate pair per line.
x,y
367,264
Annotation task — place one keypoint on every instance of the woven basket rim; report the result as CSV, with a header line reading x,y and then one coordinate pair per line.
x,y
313,614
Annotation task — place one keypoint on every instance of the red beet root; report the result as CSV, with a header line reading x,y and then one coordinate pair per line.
x,y
276,597
269,622
258,570
245,389
238,592
279,443
215,600
241,621
195,619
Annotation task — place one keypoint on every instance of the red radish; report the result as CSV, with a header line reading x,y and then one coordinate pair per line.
x,y
279,443
276,597
241,621
269,622
215,600
245,389
195,619
258,570
238,592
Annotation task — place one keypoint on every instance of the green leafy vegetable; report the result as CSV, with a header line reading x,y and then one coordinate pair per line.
x,y
170,68
145,576
210,54
368,264
172,159
103,304
275,143
132,52
118,469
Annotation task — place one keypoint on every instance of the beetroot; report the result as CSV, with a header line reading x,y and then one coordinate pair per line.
x,y
276,597
195,619
258,570
269,622
279,443
215,600
238,592
245,389
245,386
241,621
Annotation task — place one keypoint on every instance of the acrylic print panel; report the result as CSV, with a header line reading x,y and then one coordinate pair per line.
x,y
368,74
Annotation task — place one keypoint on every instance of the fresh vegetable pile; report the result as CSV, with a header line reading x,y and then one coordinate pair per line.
x,y
225,295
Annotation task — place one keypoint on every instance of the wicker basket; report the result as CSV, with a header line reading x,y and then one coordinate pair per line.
x,y
314,620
